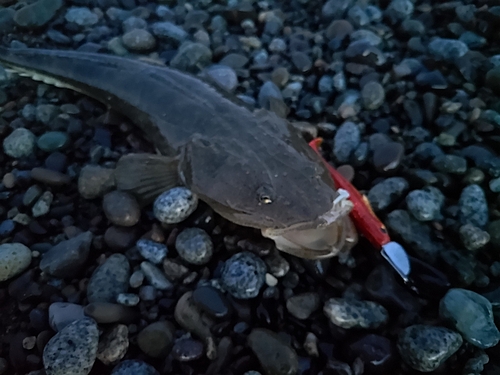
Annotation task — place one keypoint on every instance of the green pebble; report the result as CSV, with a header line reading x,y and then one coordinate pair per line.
x,y
52,141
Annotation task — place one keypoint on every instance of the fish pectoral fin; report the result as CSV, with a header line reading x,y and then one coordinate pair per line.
x,y
146,176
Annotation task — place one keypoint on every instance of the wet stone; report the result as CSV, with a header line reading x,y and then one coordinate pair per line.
x,y
425,204
81,16
136,279
373,95
212,301
169,32
243,275
52,141
472,237
134,367
105,313
224,76
42,205
473,207
139,40
191,57
49,177
67,257
376,352
355,314
14,259
120,238
73,349
155,277
186,350
425,348
156,339
388,156
450,164
109,279
471,314
301,61
275,356
113,345
38,13
387,192
175,205
195,246
62,314
267,92
20,143
153,251
303,305
127,299
121,208
95,181
447,49
346,141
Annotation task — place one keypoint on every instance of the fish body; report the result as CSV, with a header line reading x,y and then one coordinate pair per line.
x,y
251,166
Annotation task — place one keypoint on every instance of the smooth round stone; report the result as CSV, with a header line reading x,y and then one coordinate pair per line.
x,y
373,95
134,367
7,227
147,293
191,57
56,161
346,140
120,238
155,276
186,350
113,345
52,141
355,314
20,143
447,49
472,237
14,259
38,13
153,251
387,192
211,301
303,305
473,207
67,257
156,339
109,279
243,275
132,23
72,351
274,355
136,279
267,91
195,246
169,32
175,205
302,61
138,40
425,348
376,352
425,205
224,76
450,164
62,314
276,264
95,181
121,208
81,16
472,315
388,157
49,177
105,313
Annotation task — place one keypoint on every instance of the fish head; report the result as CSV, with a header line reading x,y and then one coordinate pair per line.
x,y
292,200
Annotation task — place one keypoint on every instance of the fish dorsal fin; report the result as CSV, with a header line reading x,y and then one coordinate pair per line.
x,y
146,176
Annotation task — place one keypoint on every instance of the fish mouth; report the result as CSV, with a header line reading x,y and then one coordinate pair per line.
x,y
331,233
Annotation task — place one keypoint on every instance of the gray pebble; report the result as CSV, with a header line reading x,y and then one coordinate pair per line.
x,y
62,314
175,205
473,207
195,246
72,351
450,164
81,16
139,40
20,143
267,91
387,192
156,340
147,293
224,76
67,257
128,299
153,251
134,367
346,141
109,279
121,208
155,277
373,95
95,181
425,204
105,313
136,279
472,237
31,195
278,266
132,23
425,348
447,49
243,275
14,259
347,313
42,205
303,305
399,10
169,32
192,57
113,345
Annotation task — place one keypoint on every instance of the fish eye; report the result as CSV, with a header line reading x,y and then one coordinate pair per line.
x,y
264,194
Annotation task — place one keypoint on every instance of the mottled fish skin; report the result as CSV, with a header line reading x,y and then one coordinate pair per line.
x,y
229,155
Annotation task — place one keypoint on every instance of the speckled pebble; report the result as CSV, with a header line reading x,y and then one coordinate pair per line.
x,y
14,259
346,140
72,351
425,348
42,205
20,143
175,205
134,367
153,251
113,345
425,204
155,277
472,237
348,313
243,275
109,279
472,315
195,246
473,207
